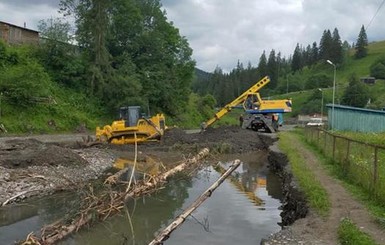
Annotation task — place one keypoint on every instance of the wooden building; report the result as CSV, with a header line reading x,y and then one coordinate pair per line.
x,y
16,35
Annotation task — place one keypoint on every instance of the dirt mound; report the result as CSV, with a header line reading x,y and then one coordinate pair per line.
x,y
30,152
235,139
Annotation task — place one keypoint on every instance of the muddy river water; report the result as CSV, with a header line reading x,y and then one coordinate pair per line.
x,y
230,216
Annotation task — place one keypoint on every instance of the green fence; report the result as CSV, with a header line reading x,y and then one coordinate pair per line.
x,y
362,163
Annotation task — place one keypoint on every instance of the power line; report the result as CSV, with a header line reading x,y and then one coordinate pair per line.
x,y
379,7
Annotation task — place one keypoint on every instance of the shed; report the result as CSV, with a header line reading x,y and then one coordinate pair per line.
x,y
13,34
368,80
355,119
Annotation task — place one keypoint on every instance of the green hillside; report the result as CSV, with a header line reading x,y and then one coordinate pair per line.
x,y
359,67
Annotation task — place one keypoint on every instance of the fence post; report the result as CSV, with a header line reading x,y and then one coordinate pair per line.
x,y
375,169
347,161
334,146
318,133
325,143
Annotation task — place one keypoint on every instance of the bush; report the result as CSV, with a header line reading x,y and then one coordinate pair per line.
x,y
378,71
318,81
21,84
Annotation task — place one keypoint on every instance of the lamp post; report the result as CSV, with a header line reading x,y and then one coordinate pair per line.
x,y
322,104
334,90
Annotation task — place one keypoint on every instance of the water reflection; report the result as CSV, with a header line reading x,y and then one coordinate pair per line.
x,y
227,217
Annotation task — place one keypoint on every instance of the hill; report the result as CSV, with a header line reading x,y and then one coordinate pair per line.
x,y
359,67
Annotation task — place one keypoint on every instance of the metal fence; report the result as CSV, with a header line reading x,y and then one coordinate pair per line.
x,y
362,163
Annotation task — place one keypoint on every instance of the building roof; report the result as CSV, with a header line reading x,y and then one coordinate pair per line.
x,y
2,22
355,108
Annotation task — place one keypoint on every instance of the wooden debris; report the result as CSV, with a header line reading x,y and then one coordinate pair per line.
x,y
164,235
14,197
104,206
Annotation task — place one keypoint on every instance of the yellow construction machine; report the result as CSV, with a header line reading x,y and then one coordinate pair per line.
x,y
132,127
256,109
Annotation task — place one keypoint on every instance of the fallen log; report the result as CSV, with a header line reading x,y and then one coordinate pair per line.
x,y
107,205
164,235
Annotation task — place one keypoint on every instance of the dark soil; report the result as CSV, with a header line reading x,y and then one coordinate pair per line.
x,y
38,167
21,153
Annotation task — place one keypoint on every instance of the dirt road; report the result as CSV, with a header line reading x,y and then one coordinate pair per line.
x,y
317,230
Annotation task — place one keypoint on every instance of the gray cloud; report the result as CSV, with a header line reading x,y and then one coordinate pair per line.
x,y
223,32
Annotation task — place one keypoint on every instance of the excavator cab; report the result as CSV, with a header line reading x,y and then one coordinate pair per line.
x,y
130,115
132,127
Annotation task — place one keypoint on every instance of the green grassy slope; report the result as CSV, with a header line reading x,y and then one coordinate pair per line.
x,y
360,67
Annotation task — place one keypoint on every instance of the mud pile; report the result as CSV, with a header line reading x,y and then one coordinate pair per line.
x,y
31,167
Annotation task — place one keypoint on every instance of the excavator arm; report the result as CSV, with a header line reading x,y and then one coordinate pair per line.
x,y
239,100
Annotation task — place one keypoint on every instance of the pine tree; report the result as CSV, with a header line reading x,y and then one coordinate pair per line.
x,y
314,54
325,45
262,65
336,49
272,69
296,63
361,45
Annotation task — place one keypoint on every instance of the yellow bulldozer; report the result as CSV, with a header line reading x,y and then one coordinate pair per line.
x,y
132,127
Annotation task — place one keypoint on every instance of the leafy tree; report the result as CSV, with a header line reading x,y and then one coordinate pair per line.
x,y
318,81
58,55
361,44
133,51
356,94
378,71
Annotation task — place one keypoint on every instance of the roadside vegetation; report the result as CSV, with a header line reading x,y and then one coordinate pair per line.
x,y
348,232
315,193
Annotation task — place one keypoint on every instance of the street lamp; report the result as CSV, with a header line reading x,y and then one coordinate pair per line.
x,y
334,90
322,104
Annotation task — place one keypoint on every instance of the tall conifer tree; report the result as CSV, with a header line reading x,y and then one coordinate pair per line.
x,y
361,44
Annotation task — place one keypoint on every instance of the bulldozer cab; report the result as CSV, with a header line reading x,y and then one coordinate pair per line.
x,y
130,115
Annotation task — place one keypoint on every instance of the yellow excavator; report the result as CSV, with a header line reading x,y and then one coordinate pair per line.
x,y
132,127
256,109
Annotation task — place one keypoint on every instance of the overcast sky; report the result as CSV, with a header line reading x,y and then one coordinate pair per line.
x,y
221,32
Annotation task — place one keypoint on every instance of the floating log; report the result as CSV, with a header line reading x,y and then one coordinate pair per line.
x,y
105,206
165,234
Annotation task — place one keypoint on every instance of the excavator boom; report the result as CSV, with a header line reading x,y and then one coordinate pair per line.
x,y
253,104
239,100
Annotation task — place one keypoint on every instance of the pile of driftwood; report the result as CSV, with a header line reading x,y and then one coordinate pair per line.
x,y
100,207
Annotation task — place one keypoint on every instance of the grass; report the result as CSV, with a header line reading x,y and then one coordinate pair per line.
x,y
315,193
371,138
348,233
